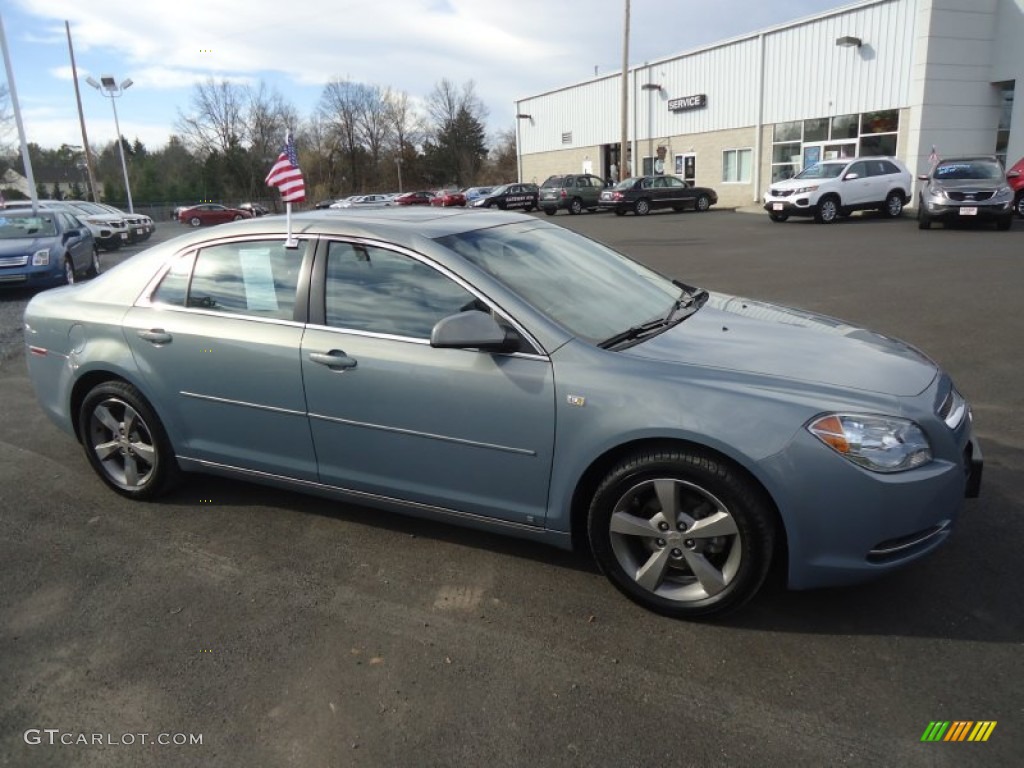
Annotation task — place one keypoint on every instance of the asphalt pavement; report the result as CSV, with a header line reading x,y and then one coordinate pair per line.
x,y
282,630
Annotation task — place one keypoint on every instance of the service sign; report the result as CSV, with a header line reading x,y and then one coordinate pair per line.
x,y
688,102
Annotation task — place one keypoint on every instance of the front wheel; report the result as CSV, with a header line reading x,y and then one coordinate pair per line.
x,y
94,263
550,211
125,442
924,221
1004,223
1019,205
827,211
619,212
642,207
238,217
195,221
682,533
703,203
893,205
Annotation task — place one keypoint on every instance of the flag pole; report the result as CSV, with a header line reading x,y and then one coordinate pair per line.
x,y
290,242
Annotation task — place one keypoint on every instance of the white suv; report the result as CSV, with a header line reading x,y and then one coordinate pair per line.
x,y
835,188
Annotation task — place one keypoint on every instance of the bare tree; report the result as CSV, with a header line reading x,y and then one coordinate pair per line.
x,y
216,122
340,108
373,125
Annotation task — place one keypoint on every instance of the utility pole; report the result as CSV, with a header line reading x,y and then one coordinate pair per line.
x,y
81,119
623,148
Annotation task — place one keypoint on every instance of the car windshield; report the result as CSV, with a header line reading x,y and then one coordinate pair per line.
x,y
821,171
15,227
977,171
499,190
589,289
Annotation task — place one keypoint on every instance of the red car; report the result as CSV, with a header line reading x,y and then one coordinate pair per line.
x,y
211,213
414,198
1015,177
448,198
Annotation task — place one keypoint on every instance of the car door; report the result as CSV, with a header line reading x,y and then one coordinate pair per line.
x,y
859,190
217,342
677,192
460,429
77,240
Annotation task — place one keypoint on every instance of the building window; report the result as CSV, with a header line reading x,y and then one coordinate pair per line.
x,y
737,165
1003,133
845,127
787,132
816,129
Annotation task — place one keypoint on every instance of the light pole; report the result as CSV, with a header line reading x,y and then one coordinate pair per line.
x,y
398,165
108,86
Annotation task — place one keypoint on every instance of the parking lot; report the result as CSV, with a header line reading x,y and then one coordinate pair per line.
x,y
285,630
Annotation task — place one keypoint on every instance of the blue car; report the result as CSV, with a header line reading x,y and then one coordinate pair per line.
x,y
45,248
501,372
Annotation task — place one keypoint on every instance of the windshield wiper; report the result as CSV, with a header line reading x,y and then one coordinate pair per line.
x,y
690,299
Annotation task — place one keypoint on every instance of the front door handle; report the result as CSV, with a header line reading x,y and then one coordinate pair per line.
x,y
336,360
156,335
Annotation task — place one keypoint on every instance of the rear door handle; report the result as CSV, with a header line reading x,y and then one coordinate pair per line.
x,y
156,336
335,360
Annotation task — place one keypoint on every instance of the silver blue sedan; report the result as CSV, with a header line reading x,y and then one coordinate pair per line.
x,y
501,372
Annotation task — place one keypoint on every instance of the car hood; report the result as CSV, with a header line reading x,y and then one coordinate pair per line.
x,y
968,184
738,334
22,245
797,183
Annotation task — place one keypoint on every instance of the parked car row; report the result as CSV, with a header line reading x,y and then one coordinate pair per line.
x,y
110,227
955,189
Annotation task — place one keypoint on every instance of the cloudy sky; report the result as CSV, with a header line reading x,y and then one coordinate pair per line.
x,y
509,49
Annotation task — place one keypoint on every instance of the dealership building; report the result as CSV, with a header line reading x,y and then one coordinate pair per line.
x,y
912,79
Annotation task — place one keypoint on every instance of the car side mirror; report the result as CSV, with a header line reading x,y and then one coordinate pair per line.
x,y
68,234
472,330
851,176
1013,174
922,177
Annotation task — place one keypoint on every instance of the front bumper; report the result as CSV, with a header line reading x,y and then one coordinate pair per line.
x,y
799,205
968,211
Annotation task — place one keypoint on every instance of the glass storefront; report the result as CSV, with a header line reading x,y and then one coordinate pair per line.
x,y
800,143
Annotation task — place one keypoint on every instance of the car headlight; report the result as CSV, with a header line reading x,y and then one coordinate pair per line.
x,y
1003,192
877,443
41,258
811,188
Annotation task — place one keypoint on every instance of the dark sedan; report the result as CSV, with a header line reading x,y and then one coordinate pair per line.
x,y
211,213
643,194
509,196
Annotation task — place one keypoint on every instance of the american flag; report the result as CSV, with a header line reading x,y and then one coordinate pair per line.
x,y
286,176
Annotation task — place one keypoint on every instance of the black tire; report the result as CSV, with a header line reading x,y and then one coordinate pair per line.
x,y
702,203
238,217
1018,205
117,421
112,244
654,558
195,221
69,271
528,207
893,207
1004,223
94,263
778,218
924,221
827,211
575,206
619,212
642,207
550,211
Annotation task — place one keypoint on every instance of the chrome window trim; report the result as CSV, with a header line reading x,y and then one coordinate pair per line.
x,y
430,263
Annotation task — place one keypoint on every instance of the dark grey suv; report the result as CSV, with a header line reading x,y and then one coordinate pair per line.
x,y
965,189
573,192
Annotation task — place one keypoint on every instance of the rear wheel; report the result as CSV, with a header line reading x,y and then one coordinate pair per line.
x,y
125,442
703,203
827,211
195,221
893,205
238,217
681,532
642,207
576,206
